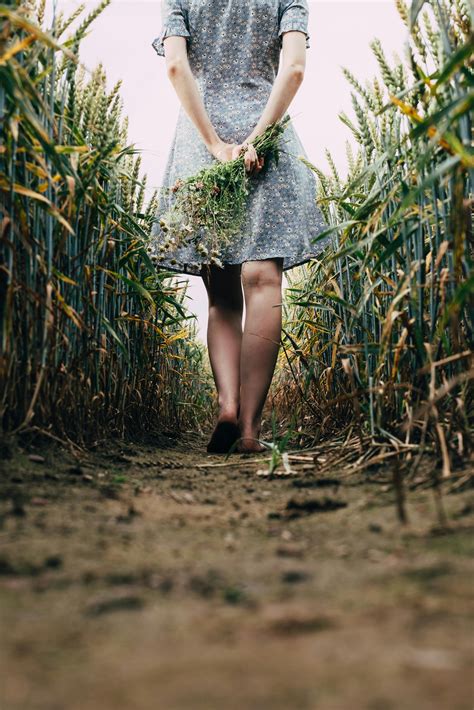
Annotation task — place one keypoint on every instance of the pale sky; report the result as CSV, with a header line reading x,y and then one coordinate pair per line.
x,y
340,33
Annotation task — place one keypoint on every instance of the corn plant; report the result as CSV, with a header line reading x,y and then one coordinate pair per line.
x,y
93,340
378,334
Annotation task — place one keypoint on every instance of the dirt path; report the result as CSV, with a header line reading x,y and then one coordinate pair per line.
x,y
137,581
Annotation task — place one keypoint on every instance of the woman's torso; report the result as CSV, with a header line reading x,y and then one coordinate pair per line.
x,y
234,52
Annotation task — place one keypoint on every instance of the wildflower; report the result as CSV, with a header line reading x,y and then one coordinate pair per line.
x,y
179,183
211,204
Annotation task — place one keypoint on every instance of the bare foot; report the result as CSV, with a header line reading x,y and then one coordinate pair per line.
x,y
225,434
249,445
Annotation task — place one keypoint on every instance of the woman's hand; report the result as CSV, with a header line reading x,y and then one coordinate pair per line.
x,y
230,151
224,151
252,162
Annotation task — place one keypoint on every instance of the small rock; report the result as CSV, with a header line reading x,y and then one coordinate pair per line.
x,y
294,549
39,501
36,458
229,542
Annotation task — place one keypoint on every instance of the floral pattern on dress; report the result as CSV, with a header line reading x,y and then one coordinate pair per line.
x,y
234,53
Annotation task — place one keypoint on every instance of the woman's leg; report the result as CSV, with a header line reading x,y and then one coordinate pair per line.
x,y
224,335
261,282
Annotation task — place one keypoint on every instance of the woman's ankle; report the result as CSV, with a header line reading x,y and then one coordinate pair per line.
x,y
228,413
249,430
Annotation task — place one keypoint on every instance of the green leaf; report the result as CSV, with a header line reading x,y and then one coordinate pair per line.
x,y
133,284
336,228
442,169
456,61
105,321
416,7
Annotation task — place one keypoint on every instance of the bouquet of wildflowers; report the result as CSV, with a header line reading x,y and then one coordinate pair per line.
x,y
209,207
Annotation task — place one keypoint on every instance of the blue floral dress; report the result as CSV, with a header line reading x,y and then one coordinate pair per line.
x,y
234,51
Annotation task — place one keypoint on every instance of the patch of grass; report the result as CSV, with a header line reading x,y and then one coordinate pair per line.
x,y
234,595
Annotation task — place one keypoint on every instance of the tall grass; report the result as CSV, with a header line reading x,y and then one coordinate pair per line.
x,y
93,340
378,334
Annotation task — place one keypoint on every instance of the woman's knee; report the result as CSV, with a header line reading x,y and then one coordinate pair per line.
x,y
266,273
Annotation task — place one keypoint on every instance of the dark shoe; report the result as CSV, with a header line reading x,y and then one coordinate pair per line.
x,y
223,437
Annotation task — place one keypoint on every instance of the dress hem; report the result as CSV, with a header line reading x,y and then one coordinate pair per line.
x,y
192,272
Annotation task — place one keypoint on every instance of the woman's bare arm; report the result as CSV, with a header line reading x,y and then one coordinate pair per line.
x,y
287,82
180,74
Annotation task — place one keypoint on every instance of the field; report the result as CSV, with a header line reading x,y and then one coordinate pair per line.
x,y
334,571
130,577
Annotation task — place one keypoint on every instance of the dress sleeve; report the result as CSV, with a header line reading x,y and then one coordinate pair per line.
x,y
294,16
174,22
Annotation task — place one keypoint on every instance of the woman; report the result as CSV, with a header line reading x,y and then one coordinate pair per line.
x,y
222,57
